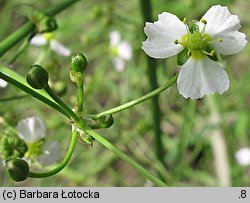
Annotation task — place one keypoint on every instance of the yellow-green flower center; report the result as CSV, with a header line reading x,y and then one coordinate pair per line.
x,y
34,149
196,42
114,51
49,36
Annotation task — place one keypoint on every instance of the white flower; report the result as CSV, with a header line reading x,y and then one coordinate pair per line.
x,y
121,50
217,33
43,39
3,83
32,131
243,156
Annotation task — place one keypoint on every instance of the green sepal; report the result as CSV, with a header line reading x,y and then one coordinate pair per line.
x,y
182,57
11,146
217,56
17,169
76,77
193,27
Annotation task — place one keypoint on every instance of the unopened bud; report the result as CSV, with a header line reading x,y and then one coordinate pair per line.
x,y
43,21
102,122
17,169
37,77
79,63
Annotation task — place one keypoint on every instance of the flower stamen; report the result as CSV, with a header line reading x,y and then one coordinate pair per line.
x,y
212,53
205,23
184,20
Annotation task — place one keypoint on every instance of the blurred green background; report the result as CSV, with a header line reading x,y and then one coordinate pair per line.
x,y
85,28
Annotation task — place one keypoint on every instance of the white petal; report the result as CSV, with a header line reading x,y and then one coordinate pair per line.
x,y
51,153
59,48
119,64
38,40
222,24
200,77
3,83
124,50
31,129
114,37
162,34
243,156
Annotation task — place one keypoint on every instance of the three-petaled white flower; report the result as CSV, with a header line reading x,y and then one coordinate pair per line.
x,y
32,131
243,156
48,38
217,33
3,83
120,50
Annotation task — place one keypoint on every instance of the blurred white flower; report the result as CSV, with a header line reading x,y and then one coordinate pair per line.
x,y
120,50
32,131
43,39
3,83
217,32
243,156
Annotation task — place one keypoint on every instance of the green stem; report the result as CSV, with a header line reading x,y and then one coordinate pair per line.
x,y
188,120
13,98
27,28
18,81
62,165
21,49
139,100
146,8
80,101
61,103
126,158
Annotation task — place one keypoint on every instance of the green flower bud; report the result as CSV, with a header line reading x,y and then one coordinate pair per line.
x,y
106,121
102,122
43,21
79,63
37,77
12,147
17,169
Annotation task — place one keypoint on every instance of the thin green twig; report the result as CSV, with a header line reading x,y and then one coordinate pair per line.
x,y
62,164
139,100
126,158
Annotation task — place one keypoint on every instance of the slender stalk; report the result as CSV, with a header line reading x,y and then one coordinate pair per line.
x,y
61,103
80,101
27,28
152,78
188,120
13,98
18,81
62,164
139,100
126,158
21,49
